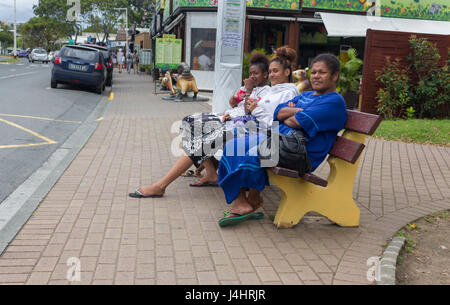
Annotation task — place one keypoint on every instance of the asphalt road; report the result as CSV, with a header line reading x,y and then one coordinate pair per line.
x,y
35,119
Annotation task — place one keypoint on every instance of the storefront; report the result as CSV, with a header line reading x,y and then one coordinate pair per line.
x,y
195,22
311,28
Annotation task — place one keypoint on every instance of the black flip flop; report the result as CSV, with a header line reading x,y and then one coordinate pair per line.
x,y
137,194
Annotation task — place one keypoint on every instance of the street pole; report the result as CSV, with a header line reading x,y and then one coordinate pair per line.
x,y
15,40
126,30
126,26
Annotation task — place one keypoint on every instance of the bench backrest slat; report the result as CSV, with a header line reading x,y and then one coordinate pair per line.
x,y
362,122
346,149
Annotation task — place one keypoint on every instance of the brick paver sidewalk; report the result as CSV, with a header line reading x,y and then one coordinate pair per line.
x,y
176,239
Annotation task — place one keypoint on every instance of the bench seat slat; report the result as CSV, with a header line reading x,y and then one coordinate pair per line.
x,y
362,122
346,149
294,174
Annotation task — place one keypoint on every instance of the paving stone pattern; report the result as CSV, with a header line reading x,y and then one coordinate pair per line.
x,y
176,239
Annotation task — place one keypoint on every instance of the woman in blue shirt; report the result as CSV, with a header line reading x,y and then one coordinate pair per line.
x,y
319,114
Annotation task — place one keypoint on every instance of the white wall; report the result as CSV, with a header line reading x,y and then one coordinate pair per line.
x,y
199,20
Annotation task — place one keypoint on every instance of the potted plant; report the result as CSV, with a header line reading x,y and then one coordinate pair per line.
x,y
350,78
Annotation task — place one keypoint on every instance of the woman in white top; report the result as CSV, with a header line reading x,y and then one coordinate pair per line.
x,y
269,103
120,59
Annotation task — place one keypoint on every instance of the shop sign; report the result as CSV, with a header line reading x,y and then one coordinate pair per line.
x,y
168,53
269,4
412,9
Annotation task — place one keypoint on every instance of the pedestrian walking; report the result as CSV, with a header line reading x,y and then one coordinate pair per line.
x,y
120,58
129,61
114,58
136,62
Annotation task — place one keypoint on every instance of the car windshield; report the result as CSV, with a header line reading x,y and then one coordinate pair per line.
x,y
79,54
40,51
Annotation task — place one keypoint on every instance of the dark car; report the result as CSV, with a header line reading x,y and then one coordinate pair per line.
x,y
22,53
108,61
79,65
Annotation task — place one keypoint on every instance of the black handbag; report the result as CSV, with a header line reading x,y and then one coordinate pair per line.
x,y
291,152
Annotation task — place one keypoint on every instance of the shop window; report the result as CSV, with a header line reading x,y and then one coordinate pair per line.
x,y
314,41
203,49
268,35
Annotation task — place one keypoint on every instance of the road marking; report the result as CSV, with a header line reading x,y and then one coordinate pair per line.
x,y
47,140
100,119
111,97
38,118
16,75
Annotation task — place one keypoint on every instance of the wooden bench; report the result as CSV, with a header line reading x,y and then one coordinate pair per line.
x,y
333,197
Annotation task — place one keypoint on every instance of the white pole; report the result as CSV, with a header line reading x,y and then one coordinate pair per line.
x,y
126,29
229,52
15,40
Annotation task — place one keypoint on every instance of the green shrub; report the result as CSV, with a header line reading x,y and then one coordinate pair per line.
x,y
421,89
350,75
394,97
432,89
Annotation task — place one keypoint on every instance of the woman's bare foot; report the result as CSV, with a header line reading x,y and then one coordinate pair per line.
x,y
152,190
210,177
241,206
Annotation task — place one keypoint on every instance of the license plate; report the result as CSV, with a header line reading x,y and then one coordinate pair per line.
x,y
77,67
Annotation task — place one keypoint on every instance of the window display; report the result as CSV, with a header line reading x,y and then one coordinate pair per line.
x,y
203,49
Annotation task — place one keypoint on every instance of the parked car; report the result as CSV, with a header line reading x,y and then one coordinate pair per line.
x,y
79,65
39,55
108,61
22,53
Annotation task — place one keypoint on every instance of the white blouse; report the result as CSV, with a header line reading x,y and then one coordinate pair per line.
x,y
277,94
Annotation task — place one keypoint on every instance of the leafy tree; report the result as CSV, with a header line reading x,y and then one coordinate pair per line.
x,y
6,36
42,32
57,9
141,12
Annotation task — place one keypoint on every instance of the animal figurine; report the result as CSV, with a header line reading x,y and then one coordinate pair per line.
x,y
302,81
185,82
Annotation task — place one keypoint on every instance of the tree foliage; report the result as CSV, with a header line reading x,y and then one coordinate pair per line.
x,y
42,32
6,36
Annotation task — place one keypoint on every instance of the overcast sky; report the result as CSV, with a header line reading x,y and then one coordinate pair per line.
x,y
24,10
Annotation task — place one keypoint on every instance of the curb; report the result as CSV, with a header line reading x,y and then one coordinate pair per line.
x,y
20,205
388,261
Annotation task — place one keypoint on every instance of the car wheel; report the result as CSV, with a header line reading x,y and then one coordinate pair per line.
x,y
53,84
99,89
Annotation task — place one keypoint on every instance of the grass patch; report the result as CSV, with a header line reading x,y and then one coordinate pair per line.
x,y
415,131
410,243
436,215
10,59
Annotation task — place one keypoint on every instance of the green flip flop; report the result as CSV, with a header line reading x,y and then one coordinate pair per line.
x,y
238,218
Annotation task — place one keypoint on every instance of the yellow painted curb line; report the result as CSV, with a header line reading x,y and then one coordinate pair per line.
x,y
38,118
111,96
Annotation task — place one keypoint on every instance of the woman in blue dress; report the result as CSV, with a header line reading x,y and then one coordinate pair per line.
x,y
319,114
203,142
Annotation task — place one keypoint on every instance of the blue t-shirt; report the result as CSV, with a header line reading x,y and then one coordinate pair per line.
x,y
323,116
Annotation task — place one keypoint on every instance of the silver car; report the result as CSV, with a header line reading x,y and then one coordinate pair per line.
x,y
39,55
